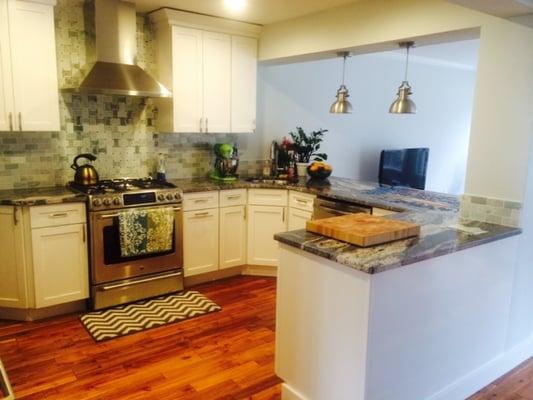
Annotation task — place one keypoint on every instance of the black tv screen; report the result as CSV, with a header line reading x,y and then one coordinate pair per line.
x,y
405,167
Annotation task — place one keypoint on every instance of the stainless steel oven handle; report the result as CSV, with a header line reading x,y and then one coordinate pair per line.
x,y
5,385
106,216
153,278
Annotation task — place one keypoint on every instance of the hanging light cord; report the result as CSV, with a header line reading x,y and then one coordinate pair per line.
x,y
343,68
407,63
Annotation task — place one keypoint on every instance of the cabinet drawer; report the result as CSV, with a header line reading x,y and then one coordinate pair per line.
x,y
57,214
200,200
301,201
267,197
234,197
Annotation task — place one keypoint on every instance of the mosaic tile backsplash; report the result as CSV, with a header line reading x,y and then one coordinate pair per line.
x,y
119,130
494,211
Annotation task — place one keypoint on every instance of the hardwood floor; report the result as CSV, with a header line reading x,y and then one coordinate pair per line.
x,y
224,355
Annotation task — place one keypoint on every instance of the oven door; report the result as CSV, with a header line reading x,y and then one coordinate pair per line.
x,y
107,263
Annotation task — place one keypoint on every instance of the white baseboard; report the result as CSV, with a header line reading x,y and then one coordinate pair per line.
x,y
260,270
288,393
487,373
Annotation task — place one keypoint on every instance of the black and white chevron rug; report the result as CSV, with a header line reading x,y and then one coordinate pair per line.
x,y
123,320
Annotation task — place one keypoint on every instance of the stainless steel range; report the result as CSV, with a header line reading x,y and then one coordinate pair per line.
x,y
116,279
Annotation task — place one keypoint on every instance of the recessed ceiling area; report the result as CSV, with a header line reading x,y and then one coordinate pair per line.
x,y
257,11
499,8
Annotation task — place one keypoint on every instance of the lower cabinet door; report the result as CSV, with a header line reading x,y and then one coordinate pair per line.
x,y
12,266
200,241
232,236
298,218
60,264
263,223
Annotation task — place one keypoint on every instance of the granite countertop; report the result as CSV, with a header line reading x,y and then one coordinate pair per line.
x,y
39,196
443,231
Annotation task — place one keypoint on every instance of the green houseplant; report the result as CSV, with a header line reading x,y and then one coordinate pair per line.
x,y
306,147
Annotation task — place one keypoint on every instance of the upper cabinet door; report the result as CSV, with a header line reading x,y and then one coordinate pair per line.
x,y
187,79
243,84
217,82
6,89
34,67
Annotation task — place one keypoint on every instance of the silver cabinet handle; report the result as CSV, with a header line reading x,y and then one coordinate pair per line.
x,y
283,214
58,215
107,216
83,233
245,213
15,219
20,121
202,214
233,197
10,121
201,200
301,201
154,278
201,127
5,386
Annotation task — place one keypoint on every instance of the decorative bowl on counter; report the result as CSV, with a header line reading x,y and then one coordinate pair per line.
x,y
319,170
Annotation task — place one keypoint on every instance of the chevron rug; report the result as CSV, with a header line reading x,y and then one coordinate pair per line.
x,y
123,320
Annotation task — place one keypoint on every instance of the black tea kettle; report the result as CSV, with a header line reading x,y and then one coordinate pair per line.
x,y
85,174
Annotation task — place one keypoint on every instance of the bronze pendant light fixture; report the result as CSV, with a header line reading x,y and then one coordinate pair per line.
x,y
403,104
342,105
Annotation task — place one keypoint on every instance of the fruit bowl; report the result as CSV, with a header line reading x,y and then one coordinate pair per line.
x,y
319,170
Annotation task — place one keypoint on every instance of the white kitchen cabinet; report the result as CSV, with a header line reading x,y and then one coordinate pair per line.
x,y
216,82
13,288
211,71
187,54
263,223
243,84
60,264
28,70
232,236
200,241
298,218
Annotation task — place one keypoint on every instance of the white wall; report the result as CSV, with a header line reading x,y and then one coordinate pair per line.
x,y
300,94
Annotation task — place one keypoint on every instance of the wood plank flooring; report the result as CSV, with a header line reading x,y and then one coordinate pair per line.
x,y
225,355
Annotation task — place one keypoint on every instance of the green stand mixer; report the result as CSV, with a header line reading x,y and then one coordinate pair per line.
x,y
226,162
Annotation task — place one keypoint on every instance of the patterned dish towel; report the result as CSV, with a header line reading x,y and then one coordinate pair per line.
x,y
146,231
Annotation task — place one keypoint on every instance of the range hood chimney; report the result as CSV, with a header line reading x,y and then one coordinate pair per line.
x,y
115,71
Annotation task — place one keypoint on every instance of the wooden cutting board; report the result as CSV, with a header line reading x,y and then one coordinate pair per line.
x,y
363,229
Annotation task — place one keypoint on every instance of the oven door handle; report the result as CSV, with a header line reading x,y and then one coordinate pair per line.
x,y
136,282
107,216
4,384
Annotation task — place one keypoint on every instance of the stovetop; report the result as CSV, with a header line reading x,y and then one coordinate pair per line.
x,y
128,193
110,186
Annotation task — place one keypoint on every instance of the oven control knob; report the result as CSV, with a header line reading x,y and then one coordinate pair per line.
x,y
169,196
107,201
116,201
97,202
177,196
161,197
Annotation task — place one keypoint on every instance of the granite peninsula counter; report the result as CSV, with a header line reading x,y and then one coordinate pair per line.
x,y
419,318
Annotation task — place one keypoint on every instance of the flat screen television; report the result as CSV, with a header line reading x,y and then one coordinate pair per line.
x,y
405,167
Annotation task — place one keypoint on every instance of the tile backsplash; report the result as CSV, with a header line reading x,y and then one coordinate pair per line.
x,y
495,211
119,130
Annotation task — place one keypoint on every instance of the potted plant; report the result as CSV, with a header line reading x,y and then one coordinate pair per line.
x,y
306,146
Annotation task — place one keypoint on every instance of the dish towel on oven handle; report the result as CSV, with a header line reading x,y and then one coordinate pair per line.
x,y
146,231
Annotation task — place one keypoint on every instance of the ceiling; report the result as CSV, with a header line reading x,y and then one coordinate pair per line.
x,y
499,8
257,11
462,54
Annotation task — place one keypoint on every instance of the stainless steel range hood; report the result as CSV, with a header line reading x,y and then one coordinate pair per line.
x,y
115,71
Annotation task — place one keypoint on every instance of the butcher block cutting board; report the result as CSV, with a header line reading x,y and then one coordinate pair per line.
x,y
363,229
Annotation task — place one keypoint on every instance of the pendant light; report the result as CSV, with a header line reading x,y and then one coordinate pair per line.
x,y
403,104
342,105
